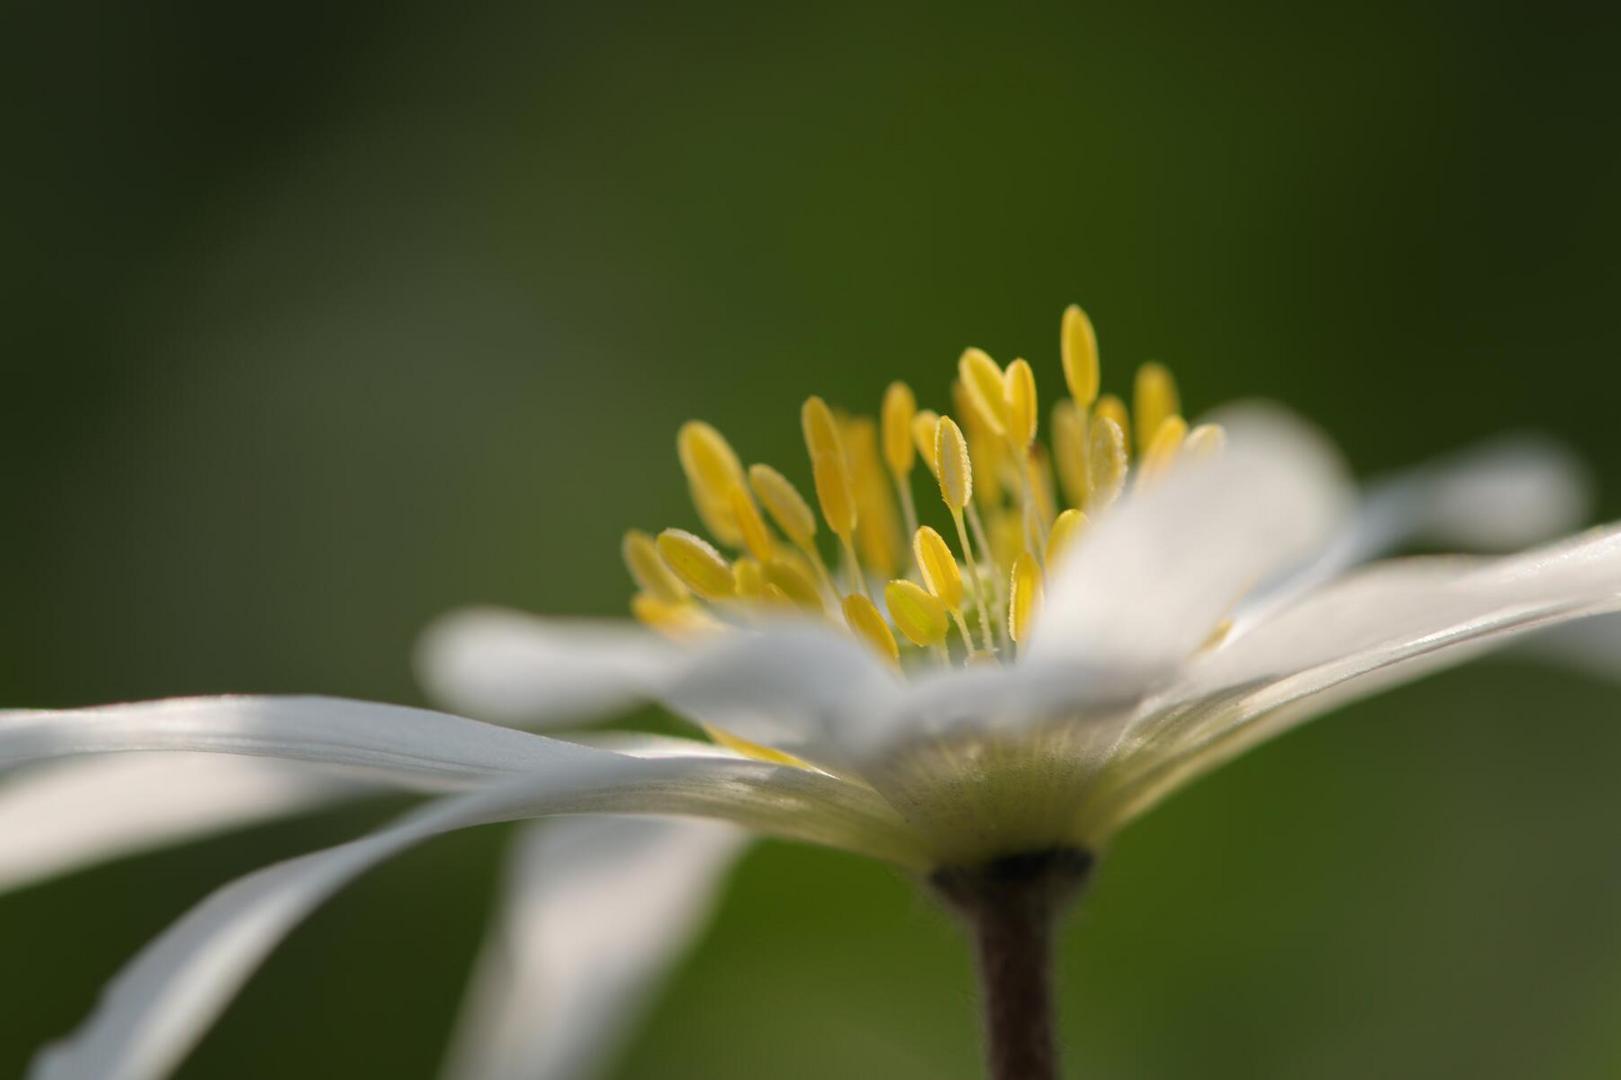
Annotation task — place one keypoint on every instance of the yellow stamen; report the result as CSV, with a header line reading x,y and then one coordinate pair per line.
x,y
738,744
1066,529
696,562
756,537
1019,404
1113,408
1024,594
678,621
1205,442
878,531
785,504
1078,347
647,568
795,581
869,626
899,409
938,566
712,470
955,471
1153,398
919,614
1162,449
923,425
1106,462
1069,451
982,383
957,487
834,489
748,579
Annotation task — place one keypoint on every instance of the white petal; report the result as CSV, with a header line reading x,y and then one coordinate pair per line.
x,y
519,669
1499,496
595,911
72,813
1385,625
155,1010
791,684
1592,646
413,747
1146,585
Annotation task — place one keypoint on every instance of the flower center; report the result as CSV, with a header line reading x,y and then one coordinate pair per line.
x,y
962,593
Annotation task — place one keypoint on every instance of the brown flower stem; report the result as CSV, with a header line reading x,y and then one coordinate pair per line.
x,y
1011,906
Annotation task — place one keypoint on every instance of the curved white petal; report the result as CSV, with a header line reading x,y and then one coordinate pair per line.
x,y
1499,496
1146,584
1592,646
792,684
415,748
595,911
154,1011
68,814
1385,625
528,671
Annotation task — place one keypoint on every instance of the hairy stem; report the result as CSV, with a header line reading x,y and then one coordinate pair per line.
x,y
1011,906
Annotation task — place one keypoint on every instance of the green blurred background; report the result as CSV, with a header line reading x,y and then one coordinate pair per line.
x,y
322,319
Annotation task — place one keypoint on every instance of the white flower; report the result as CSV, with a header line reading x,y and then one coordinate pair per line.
x,y
1097,666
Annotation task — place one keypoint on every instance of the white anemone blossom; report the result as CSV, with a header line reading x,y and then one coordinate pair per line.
x,y
1007,702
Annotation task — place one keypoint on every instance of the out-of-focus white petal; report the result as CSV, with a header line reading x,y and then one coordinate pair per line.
x,y
529,671
1499,496
415,748
1385,625
594,913
797,685
68,814
1147,583
1588,645
154,1011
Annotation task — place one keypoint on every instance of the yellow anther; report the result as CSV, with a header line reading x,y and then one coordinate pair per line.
x,y
955,471
784,503
647,568
1106,462
878,530
919,614
1008,537
1153,398
1162,449
1218,635
1025,597
795,580
988,456
677,621
899,410
696,562
923,431
1078,346
1205,442
756,537
1019,404
1114,409
748,579
982,383
1069,450
712,470
869,626
1065,531
1041,484
707,458
829,468
938,566
738,744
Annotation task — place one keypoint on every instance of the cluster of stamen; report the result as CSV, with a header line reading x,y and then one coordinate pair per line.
x,y
1010,522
